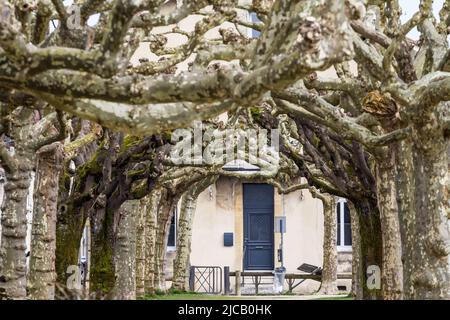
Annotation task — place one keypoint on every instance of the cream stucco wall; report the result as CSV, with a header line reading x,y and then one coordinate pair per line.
x,y
220,209
304,234
210,223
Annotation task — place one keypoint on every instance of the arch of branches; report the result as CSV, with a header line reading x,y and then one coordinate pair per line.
x,y
97,127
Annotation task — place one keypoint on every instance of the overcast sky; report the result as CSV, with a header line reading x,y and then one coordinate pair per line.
x,y
409,7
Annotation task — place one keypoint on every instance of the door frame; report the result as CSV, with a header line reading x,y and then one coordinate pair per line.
x,y
244,229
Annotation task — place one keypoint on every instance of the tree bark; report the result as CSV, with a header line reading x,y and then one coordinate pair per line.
x,y
165,213
72,214
42,276
140,249
184,234
2,190
14,214
27,135
2,197
392,267
187,212
370,244
104,225
329,272
125,252
102,272
150,239
357,290
406,211
14,230
71,220
431,272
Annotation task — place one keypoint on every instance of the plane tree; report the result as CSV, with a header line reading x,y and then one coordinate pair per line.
x,y
376,133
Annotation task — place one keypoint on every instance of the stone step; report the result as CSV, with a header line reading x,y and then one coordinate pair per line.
x,y
262,289
265,286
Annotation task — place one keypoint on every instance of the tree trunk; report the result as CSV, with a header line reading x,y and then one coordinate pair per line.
x,y
184,234
431,272
150,239
2,191
140,249
42,276
14,229
2,197
71,220
392,267
69,230
187,212
329,272
159,275
406,211
165,212
125,252
105,218
370,243
102,271
357,290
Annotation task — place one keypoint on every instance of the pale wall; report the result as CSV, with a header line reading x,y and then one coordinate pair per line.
x,y
210,223
304,234
219,210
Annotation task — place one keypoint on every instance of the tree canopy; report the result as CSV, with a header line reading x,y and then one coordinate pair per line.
x,y
362,112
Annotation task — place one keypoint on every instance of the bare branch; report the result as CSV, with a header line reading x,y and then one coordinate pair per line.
x,y
9,163
62,13
416,19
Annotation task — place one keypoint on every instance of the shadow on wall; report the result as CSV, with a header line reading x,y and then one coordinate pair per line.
x,y
225,193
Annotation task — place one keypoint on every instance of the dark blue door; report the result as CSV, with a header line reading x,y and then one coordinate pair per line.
x,y
258,227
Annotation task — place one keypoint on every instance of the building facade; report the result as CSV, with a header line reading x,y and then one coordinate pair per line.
x,y
247,213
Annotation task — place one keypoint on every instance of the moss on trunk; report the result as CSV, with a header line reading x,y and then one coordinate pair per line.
x,y
69,230
370,244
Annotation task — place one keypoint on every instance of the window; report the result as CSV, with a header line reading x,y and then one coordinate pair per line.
x,y
344,231
252,32
172,239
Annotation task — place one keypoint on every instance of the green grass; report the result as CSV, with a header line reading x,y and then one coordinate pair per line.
x,y
176,295
186,296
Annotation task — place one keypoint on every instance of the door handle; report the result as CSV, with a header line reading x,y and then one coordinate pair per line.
x,y
259,247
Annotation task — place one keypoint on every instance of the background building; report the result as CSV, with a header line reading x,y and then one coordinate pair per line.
x,y
248,211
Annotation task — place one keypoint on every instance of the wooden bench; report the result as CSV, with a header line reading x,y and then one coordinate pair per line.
x,y
309,271
309,268
312,272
